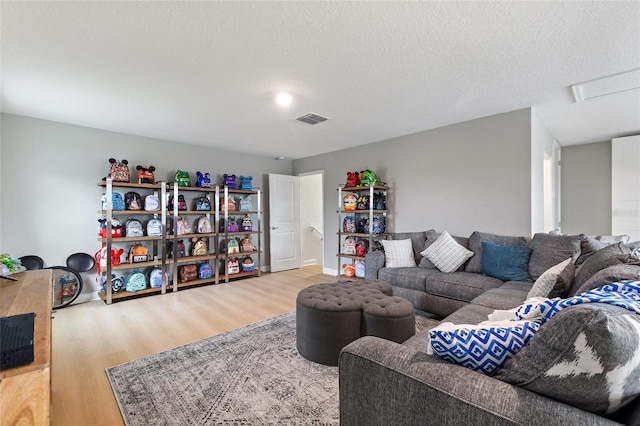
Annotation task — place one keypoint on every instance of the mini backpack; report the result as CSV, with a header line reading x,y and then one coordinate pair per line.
x,y
229,181
232,226
349,224
245,182
155,278
203,203
182,226
233,246
246,244
182,204
245,204
117,202
248,265
362,203
205,271
246,224
180,247
182,178
151,202
203,180
116,228
133,228
133,201
379,201
117,283
119,170
349,245
188,273
230,204
154,227
145,174
233,266
138,253
136,281
199,246
204,226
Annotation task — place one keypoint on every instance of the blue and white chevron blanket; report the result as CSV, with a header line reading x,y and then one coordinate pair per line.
x,y
487,346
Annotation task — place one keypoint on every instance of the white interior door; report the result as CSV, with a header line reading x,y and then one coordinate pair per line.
x,y
284,222
625,186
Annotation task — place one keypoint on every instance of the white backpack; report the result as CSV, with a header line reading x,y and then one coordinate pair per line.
x,y
154,227
204,226
151,202
133,228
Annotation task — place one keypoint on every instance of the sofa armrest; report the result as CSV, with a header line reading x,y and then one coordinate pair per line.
x,y
384,383
373,261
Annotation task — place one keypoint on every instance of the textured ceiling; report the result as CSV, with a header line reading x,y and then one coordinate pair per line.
x,y
205,73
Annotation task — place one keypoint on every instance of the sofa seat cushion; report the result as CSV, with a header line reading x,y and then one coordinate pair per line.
x,y
469,314
411,278
501,298
517,285
463,286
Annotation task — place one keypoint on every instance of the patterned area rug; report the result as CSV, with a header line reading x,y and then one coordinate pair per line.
x,y
249,376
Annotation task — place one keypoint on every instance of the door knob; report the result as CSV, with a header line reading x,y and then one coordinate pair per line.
x,y
275,227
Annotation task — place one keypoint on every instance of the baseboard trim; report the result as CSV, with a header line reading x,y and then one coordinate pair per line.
x,y
329,271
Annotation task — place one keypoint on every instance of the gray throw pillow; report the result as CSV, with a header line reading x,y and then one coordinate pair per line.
x,y
615,254
608,275
549,250
586,356
432,236
475,245
418,240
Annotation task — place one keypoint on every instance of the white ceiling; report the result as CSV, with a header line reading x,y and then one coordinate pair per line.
x,y
205,73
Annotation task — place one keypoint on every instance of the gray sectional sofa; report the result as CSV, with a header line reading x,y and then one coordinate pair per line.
x,y
384,383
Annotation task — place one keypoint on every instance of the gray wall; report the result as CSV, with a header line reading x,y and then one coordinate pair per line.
x,y
586,189
468,176
50,171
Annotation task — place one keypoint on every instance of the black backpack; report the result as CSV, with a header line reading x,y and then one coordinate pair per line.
x,y
133,201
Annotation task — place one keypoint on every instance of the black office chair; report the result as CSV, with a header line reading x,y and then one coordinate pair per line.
x,y
81,262
32,262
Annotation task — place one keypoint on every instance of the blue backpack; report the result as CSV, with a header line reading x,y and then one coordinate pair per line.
x,y
135,281
116,200
155,278
203,203
205,271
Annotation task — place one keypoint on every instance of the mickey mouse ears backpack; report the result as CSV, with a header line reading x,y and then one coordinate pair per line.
x,y
119,170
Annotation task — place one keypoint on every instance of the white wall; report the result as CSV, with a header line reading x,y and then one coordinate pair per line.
x,y
625,186
311,217
468,176
586,189
541,142
50,172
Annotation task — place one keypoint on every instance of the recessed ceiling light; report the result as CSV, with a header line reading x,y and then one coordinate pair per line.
x,y
284,99
282,157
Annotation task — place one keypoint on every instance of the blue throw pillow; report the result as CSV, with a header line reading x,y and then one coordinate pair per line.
x,y
507,263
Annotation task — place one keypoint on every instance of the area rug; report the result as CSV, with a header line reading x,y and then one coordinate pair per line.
x,y
249,376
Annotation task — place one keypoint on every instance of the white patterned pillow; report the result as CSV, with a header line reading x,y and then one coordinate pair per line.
x,y
554,282
446,254
398,254
484,347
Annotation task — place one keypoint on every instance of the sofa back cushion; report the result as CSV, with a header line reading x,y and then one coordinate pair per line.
x,y
475,245
608,275
418,240
615,254
549,250
592,243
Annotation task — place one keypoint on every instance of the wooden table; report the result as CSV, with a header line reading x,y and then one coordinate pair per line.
x,y
25,391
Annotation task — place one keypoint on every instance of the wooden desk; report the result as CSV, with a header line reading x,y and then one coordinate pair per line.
x,y
25,392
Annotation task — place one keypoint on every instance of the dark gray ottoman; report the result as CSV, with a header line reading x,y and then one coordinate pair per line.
x,y
330,316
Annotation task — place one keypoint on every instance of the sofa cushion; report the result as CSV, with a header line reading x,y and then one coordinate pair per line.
x,y
517,285
463,286
475,245
549,250
432,236
446,253
502,298
615,254
507,263
609,275
469,314
398,254
555,281
592,243
412,278
587,356
418,240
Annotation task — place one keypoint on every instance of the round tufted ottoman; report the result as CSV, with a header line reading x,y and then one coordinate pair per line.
x,y
330,316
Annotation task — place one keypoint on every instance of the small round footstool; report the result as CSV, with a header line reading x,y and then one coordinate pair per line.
x,y
332,315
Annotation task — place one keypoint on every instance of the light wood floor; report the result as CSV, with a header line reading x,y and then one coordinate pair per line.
x,y
89,337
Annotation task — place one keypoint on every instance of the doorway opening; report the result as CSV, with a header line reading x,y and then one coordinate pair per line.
x,y
312,218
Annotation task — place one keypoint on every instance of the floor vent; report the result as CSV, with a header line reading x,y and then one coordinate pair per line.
x,y
312,118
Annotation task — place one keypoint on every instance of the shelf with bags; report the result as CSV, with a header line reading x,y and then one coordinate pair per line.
x,y
132,185
130,239
192,259
129,294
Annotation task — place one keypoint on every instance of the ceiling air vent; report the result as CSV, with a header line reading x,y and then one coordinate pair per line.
x,y
312,118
